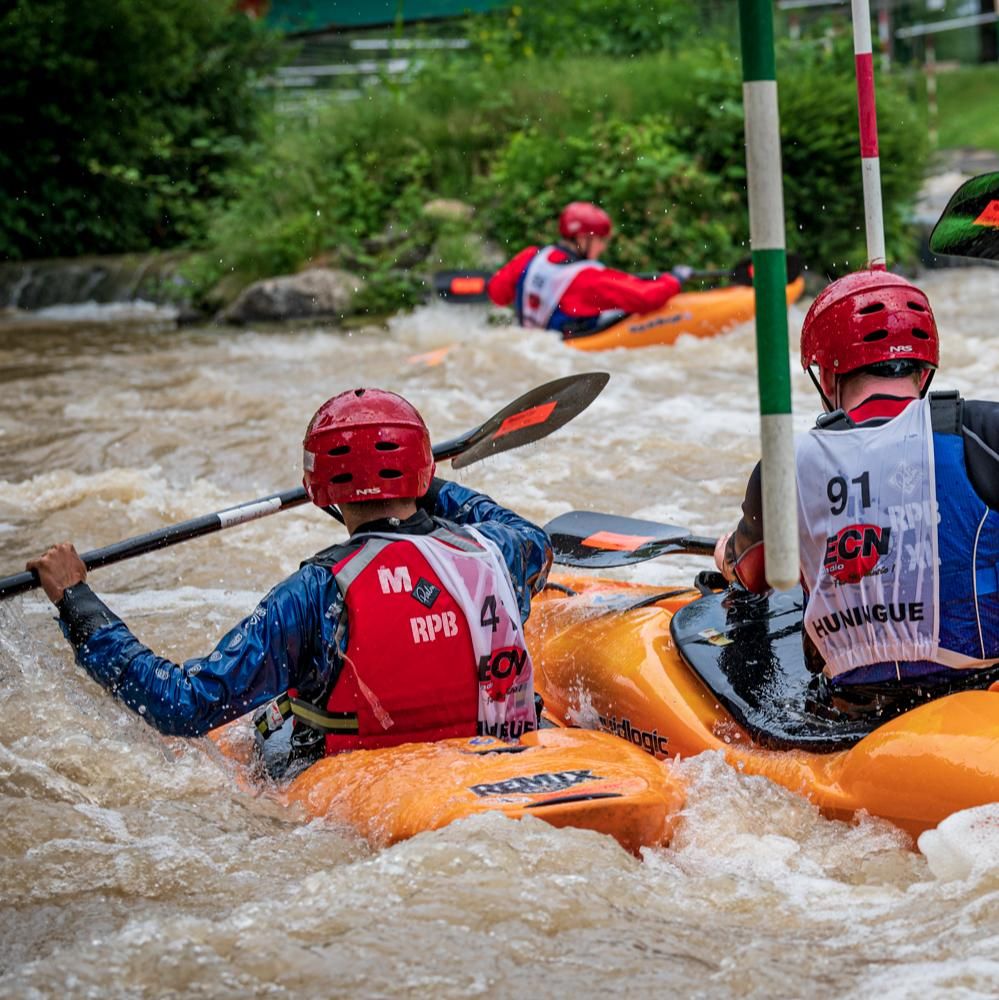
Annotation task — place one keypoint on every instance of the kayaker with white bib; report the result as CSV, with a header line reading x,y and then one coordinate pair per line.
x,y
564,286
409,631
898,507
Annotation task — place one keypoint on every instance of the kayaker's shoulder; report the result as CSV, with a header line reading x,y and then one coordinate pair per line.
x,y
981,415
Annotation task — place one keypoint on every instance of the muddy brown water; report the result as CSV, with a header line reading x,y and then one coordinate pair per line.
x,y
132,866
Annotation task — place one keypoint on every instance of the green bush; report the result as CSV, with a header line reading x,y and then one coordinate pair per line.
x,y
120,119
583,27
666,208
820,148
675,181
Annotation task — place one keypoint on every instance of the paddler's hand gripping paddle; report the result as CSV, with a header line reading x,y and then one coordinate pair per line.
x,y
530,418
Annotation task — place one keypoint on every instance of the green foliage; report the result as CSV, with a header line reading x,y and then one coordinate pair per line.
x,y
120,119
966,101
665,206
657,139
675,181
328,190
823,189
582,27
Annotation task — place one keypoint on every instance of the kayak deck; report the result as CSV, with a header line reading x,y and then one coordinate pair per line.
x,y
568,778
695,314
620,672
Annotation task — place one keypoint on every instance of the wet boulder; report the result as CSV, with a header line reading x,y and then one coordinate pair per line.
x,y
319,292
448,210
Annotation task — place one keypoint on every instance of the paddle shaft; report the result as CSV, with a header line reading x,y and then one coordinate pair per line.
x,y
470,286
697,545
173,534
529,418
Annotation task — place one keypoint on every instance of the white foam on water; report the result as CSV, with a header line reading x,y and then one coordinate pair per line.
x,y
108,312
138,863
965,845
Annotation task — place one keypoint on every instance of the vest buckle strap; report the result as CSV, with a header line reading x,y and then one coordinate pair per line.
x,y
947,412
837,420
273,716
319,718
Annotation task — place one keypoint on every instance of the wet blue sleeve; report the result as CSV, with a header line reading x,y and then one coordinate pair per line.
x,y
525,547
254,662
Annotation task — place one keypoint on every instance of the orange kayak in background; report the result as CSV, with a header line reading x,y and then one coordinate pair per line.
x,y
618,670
568,778
696,314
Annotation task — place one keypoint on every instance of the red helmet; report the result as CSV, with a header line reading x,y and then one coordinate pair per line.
x,y
366,444
583,218
867,318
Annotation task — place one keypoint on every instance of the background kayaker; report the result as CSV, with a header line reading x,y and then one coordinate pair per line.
x,y
564,286
409,631
898,507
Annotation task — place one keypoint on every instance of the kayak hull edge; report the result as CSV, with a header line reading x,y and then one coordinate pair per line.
x,y
694,314
567,778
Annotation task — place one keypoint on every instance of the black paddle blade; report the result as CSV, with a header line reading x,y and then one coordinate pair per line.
x,y
742,273
462,286
533,416
969,226
591,540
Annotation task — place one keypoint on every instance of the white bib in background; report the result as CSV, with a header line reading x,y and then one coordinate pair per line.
x,y
544,285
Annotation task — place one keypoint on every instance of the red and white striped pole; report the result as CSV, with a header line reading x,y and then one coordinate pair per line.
x,y
868,113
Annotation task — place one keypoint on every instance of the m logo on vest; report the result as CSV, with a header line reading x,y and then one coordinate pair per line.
x,y
395,581
854,551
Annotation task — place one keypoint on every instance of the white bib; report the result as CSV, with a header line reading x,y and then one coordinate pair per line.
x,y
867,518
544,285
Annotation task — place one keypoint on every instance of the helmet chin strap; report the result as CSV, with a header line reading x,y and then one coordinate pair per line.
x,y
818,388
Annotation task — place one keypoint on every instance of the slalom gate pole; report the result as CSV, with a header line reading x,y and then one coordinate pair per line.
x,y
870,161
766,234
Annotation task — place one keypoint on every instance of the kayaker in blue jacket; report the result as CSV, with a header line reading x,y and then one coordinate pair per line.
x,y
409,631
898,505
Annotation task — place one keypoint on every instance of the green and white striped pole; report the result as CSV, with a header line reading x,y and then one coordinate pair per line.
x,y
766,234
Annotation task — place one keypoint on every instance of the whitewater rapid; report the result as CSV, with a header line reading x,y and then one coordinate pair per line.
x,y
133,866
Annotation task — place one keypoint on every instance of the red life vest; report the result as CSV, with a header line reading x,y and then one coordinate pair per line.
x,y
409,673
435,646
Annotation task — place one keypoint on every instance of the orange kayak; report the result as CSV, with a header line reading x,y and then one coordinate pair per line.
x,y
576,778
621,671
697,314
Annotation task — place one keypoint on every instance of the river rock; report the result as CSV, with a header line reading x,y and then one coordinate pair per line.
x,y
317,292
448,210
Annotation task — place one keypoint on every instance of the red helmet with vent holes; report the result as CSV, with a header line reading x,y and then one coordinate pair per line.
x,y
868,318
366,444
583,218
